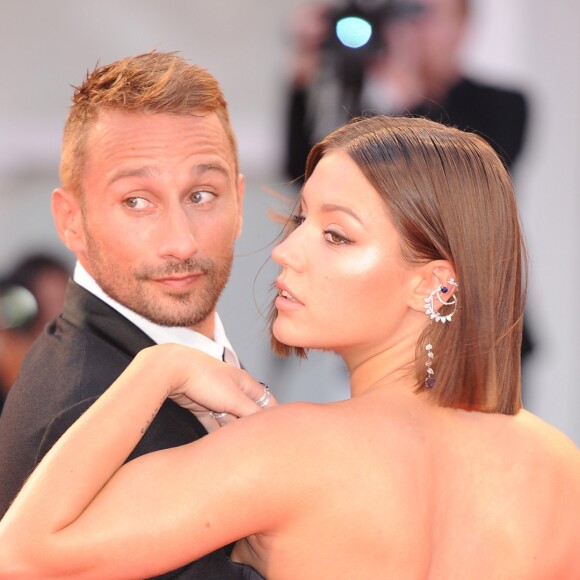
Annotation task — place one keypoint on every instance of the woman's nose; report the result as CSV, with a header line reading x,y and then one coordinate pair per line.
x,y
288,253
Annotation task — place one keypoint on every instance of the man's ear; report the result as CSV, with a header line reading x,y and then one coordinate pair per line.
x,y
240,194
66,212
428,278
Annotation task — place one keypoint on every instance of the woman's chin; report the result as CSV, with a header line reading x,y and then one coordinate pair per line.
x,y
288,338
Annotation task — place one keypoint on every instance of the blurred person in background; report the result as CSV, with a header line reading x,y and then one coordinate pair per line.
x,y
413,66
31,295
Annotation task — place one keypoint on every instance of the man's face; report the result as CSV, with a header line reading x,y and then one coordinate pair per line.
x,y
159,211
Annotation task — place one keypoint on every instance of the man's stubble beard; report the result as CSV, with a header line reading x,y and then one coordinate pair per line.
x,y
178,308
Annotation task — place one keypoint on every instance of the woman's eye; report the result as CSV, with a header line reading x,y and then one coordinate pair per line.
x,y
297,220
201,197
137,203
335,238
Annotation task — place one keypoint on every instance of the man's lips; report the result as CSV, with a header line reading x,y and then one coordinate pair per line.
x,y
178,282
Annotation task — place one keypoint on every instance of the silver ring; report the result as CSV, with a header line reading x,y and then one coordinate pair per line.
x,y
217,416
265,398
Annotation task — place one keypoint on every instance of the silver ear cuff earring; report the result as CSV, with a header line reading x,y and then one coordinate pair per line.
x,y
430,302
429,306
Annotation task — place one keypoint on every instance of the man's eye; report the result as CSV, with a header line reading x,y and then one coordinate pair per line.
x,y
137,203
200,197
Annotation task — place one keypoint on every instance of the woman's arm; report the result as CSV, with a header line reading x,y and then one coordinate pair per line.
x,y
63,513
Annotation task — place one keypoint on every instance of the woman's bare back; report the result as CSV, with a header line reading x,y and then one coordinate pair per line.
x,y
392,487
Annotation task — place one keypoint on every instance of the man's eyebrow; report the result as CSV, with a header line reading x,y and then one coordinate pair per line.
x,y
145,171
151,171
330,207
205,167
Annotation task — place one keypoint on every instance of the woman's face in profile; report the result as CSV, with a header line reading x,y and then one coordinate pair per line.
x,y
343,283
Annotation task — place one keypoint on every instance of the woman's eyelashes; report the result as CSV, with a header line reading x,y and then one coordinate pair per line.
x,y
331,236
297,220
335,238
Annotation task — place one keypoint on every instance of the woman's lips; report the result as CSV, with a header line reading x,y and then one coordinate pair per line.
x,y
286,299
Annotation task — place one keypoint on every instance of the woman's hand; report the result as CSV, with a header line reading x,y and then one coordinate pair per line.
x,y
214,391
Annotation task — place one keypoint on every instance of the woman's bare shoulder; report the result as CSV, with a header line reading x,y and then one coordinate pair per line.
x,y
298,421
554,459
303,432
547,438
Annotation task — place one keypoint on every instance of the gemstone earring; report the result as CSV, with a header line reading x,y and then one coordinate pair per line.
x,y
430,302
429,306
430,378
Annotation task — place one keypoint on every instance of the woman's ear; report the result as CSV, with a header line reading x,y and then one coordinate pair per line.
x,y
427,279
66,212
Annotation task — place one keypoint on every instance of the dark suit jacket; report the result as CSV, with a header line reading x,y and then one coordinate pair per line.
x,y
76,358
499,115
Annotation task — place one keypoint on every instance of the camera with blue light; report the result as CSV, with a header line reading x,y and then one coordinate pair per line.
x,y
358,27
357,33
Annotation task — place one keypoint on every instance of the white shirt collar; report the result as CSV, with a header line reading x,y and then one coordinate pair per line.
x,y
164,334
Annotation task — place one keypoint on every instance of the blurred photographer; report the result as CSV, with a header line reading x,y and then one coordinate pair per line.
x,y
409,65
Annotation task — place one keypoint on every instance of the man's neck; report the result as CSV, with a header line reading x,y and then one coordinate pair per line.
x,y
212,343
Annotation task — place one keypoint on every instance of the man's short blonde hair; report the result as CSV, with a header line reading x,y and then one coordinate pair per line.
x,y
155,82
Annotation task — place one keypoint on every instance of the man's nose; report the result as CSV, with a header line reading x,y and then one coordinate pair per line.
x,y
177,234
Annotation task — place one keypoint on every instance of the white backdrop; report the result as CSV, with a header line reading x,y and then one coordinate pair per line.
x,y
47,46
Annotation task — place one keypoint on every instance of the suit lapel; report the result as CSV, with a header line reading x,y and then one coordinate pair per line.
x,y
84,310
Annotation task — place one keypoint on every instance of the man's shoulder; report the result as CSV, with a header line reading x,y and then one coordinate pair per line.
x,y
72,361
65,366
66,353
68,367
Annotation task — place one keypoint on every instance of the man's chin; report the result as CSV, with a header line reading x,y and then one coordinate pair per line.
x,y
179,312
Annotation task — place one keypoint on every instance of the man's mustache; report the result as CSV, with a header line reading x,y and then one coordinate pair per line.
x,y
189,266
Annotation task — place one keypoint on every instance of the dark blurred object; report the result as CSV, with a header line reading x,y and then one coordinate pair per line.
x,y
31,295
18,307
356,36
499,115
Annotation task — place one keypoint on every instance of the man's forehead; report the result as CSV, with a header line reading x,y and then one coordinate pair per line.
x,y
204,129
